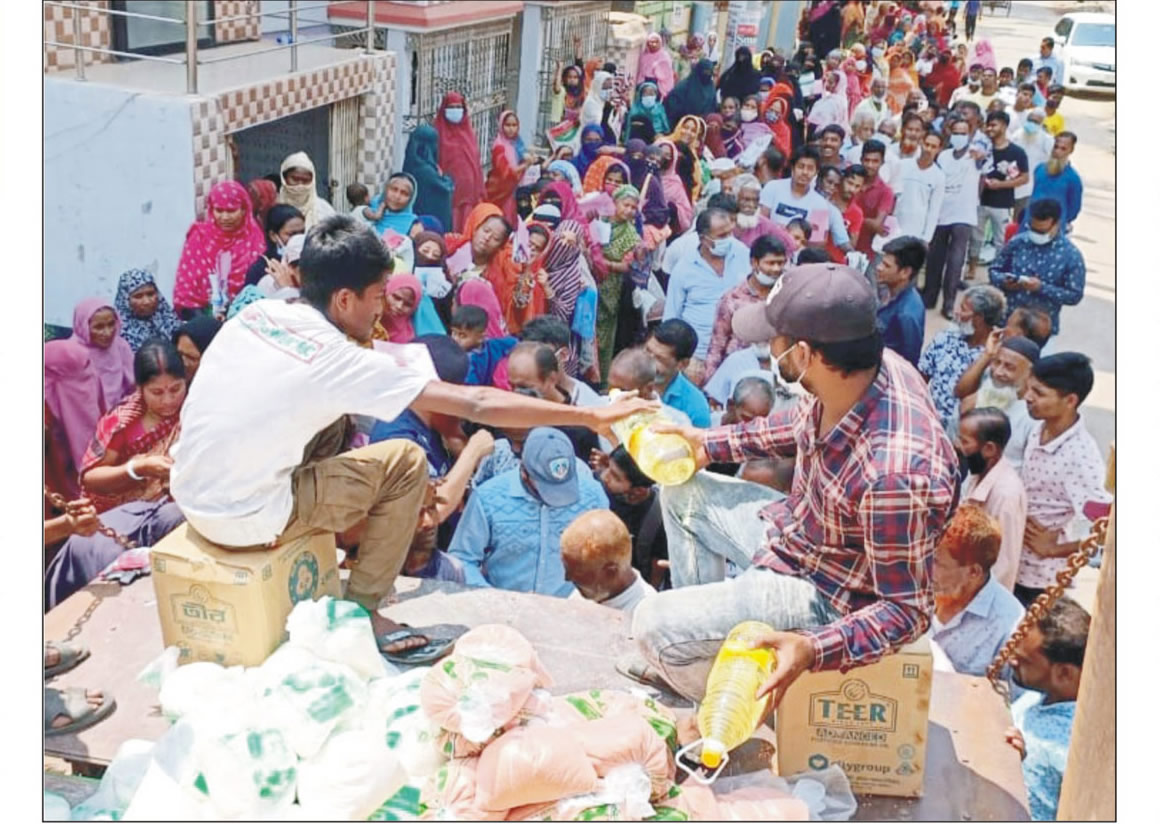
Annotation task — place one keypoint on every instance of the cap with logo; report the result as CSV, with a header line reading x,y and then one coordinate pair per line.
x,y
821,302
550,461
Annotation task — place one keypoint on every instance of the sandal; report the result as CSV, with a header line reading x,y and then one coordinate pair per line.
x,y
73,703
635,668
70,656
433,650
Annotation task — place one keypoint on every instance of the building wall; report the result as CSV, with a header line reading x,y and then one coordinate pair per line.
x,y
58,28
118,189
235,30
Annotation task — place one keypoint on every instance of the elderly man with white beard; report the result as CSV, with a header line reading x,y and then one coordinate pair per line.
x,y
998,379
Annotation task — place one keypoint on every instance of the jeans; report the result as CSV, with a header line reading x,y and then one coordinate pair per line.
x,y
708,520
944,264
971,18
998,217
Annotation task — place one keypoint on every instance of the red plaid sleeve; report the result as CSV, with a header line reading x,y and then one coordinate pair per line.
x,y
902,518
760,438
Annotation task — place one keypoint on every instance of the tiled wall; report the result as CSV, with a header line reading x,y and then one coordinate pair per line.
x,y
235,30
58,28
373,77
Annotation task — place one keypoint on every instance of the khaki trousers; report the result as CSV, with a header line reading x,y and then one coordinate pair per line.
x,y
383,483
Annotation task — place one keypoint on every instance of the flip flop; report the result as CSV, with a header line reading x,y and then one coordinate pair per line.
x,y
635,668
75,704
70,656
433,650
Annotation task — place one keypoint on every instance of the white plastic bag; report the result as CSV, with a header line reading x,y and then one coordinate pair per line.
x,y
199,687
308,703
410,733
338,631
56,808
118,784
160,668
160,798
249,774
836,802
350,777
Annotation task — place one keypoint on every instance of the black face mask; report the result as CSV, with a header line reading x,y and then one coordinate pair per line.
x,y
976,463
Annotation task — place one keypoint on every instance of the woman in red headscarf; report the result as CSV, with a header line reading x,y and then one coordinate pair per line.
x,y
459,157
779,124
509,160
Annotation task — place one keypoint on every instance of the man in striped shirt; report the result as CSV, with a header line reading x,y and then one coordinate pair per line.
x,y
841,568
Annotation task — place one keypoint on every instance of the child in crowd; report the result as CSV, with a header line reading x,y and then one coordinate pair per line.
x,y
360,201
468,329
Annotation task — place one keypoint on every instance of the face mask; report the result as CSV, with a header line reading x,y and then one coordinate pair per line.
x,y
877,52
720,247
967,328
280,250
605,94
976,463
860,65
771,116
960,141
454,115
806,79
1039,238
793,387
648,100
764,279
745,221
880,96
1031,127
748,115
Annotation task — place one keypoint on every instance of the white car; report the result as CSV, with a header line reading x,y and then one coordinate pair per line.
x,y
1086,44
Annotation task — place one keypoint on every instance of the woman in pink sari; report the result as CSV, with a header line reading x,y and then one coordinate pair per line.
x,y
854,92
72,393
656,63
97,327
673,187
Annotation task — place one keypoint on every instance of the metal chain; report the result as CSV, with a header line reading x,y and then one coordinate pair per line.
x,y
1039,607
60,503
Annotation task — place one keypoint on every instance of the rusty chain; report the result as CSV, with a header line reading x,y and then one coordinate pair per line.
x,y
1039,607
60,503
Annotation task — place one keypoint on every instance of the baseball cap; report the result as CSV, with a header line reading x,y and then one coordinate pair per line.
x,y
822,302
550,460
293,249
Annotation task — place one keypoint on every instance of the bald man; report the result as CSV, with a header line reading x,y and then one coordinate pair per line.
x,y
634,370
597,553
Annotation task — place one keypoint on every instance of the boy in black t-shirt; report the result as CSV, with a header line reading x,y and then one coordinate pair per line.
x,y
1006,170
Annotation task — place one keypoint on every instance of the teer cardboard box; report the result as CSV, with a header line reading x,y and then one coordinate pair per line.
x,y
230,607
871,721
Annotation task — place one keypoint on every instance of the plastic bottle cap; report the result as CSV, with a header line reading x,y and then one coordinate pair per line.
x,y
711,752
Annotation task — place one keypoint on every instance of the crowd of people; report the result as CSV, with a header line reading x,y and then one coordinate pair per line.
x,y
749,249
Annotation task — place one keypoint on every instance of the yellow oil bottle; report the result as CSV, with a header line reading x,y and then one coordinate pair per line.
x,y
730,713
666,458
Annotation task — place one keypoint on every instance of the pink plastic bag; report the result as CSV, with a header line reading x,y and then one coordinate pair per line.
x,y
451,793
530,765
760,804
501,644
627,739
474,697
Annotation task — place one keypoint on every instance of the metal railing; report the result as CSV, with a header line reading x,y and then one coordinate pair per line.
x,y
192,59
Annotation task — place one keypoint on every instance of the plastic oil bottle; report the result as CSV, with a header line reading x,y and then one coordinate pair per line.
x,y
666,458
730,713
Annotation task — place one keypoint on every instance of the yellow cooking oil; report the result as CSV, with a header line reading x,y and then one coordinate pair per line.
x,y
730,713
666,458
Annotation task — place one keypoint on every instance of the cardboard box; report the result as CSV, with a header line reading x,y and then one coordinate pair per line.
x,y
228,606
871,721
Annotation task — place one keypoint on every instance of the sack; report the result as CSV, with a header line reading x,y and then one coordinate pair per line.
x,y
595,704
530,765
252,773
350,777
311,701
452,793
475,696
501,644
626,738
338,631
393,707
201,686
119,783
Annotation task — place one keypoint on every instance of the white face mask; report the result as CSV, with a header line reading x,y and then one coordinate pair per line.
x,y
605,94
793,387
960,141
1039,238
748,115
648,100
764,279
860,65
453,115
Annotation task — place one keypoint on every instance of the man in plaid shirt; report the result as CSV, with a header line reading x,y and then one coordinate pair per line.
x,y
841,568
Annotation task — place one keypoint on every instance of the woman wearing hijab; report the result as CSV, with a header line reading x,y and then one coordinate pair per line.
x,y
599,109
399,215
509,161
191,340
565,171
97,327
218,251
433,188
619,253
568,93
688,55
459,151
646,103
695,95
479,293
263,195
741,79
298,189
561,262
753,125
607,174
401,297
282,223
655,63
731,129
899,84
681,209
853,24
75,401
833,107
825,26
775,113
644,174
854,92
714,140
591,141
143,311
560,195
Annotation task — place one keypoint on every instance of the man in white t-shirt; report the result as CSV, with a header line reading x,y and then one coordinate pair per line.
x,y
1037,143
258,461
795,197
920,193
596,549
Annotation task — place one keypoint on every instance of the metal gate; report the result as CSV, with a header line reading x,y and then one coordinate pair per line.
x,y
559,27
474,61
344,120
262,148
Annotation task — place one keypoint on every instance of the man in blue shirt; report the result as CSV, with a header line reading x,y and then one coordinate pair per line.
x,y
1056,179
671,345
1041,268
700,279
1047,59
1048,663
509,534
974,614
901,312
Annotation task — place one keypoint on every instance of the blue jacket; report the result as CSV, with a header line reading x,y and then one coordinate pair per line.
x,y
1065,187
